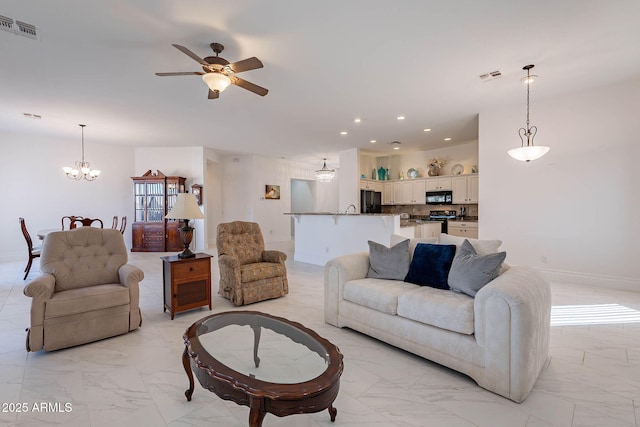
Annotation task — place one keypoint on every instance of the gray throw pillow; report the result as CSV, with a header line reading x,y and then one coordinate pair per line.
x,y
470,271
388,263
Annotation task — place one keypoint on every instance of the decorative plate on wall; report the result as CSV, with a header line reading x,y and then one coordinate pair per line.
x,y
412,173
457,169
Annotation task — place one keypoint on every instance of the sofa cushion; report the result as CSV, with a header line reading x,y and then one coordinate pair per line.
x,y
470,271
261,270
396,238
444,309
482,247
430,265
388,263
377,294
83,300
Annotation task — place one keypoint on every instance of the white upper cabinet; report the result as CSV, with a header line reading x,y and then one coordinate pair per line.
x,y
465,189
438,184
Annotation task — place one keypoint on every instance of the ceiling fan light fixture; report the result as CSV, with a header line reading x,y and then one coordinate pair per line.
x,y
216,81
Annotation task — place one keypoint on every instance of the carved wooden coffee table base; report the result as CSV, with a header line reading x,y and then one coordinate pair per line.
x,y
262,397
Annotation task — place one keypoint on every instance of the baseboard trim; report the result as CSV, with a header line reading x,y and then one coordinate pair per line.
x,y
596,280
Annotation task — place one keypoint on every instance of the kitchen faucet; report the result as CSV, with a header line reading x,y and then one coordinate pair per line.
x,y
355,210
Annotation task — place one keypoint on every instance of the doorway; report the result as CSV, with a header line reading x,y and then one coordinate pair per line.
x,y
303,198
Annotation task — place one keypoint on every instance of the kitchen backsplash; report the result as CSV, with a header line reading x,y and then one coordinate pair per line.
x,y
423,210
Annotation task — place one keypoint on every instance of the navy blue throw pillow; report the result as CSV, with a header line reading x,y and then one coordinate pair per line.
x,y
430,265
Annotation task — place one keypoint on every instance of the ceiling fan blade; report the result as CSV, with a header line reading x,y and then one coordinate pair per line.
x,y
245,65
190,54
259,90
213,94
181,73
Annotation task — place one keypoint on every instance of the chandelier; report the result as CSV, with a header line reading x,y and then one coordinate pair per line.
x,y
528,152
82,169
325,174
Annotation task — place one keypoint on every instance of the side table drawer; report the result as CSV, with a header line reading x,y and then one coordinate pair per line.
x,y
191,270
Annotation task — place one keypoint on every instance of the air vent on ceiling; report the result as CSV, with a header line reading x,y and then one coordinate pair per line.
x,y
18,27
26,30
490,76
6,24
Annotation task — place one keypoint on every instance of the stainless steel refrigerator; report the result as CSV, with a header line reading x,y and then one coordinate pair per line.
x,y
370,201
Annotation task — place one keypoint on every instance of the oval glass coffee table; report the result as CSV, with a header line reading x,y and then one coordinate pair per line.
x,y
267,363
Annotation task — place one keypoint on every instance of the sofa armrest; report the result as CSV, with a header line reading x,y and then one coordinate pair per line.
x,y
228,261
512,323
41,288
130,275
274,256
337,272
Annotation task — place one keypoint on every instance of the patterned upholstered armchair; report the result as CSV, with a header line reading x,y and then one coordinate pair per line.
x,y
86,292
249,273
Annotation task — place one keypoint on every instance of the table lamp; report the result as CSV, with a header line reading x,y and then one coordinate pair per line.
x,y
185,208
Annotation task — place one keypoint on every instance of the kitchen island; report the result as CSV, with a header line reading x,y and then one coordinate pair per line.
x,y
321,236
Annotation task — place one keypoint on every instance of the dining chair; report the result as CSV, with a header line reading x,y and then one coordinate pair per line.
x,y
123,224
114,224
86,222
72,219
34,252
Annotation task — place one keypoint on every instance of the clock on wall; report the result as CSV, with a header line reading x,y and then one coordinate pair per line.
x,y
196,189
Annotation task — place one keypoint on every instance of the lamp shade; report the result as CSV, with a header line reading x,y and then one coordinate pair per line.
x,y
185,207
528,152
216,81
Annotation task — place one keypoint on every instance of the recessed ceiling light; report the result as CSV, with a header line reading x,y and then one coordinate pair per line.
x,y
396,148
357,120
373,141
400,117
344,132
427,130
447,139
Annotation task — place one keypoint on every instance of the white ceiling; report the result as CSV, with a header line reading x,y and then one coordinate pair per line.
x,y
325,62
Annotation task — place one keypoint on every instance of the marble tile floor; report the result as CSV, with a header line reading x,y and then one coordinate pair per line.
x,y
137,379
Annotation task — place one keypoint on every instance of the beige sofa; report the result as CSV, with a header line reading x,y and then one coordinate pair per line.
x,y
86,292
500,338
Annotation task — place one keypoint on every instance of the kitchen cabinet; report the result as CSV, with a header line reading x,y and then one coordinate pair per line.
x,y
463,229
413,192
465,189
430,229
371,185
387,194
438,184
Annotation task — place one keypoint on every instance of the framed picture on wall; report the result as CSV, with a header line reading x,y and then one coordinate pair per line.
x,y
272,192
196,189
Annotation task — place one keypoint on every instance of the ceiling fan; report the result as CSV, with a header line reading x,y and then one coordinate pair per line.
x,y
218,73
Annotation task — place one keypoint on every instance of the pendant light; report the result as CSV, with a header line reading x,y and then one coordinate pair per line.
x,y
325,174
528,152
82,169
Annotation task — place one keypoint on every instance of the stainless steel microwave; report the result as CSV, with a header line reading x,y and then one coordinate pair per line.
x,y
439,197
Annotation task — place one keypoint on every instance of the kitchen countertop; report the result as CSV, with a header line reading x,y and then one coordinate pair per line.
x,y
339,213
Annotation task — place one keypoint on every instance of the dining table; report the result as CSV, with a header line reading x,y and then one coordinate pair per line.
x,y
43,233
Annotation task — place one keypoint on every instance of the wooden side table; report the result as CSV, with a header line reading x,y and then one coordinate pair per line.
x,y
187,282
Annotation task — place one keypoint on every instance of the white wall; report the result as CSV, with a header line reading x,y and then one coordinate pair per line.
x,y
349,179
244,180
579,205
36,188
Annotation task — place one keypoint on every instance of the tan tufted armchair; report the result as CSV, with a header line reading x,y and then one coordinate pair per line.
x,y
249,273
87,291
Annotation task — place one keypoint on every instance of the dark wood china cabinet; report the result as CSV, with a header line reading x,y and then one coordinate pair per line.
x,y
155,195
